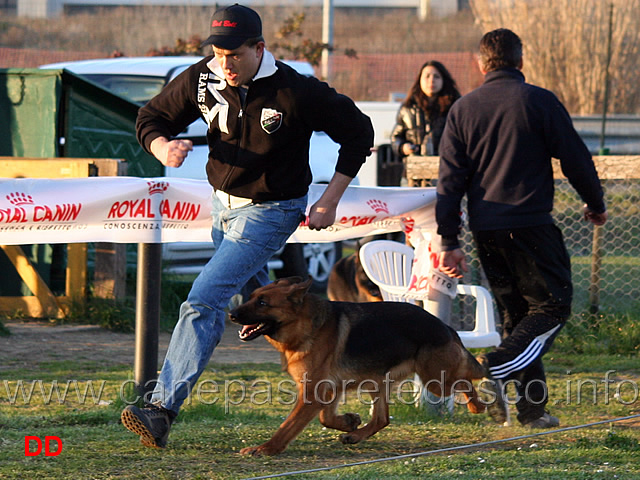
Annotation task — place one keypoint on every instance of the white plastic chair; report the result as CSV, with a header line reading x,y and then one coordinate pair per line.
x,y
484,334
388,265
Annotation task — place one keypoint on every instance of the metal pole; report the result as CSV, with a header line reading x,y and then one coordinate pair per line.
x,y
439,303
327,36
605,100
148,283
423,9
596,264
442,290
596,252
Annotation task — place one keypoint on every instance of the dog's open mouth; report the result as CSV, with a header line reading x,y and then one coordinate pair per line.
x,y
250,332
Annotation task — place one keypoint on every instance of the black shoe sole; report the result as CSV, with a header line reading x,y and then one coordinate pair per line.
x,y
538,424
137,426
497,409
497,412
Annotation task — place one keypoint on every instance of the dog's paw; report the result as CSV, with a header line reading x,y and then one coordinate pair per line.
x,y
253,451
349,439
352,420
260,451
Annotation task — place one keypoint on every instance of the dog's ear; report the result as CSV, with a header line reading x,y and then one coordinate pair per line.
x,y
299,290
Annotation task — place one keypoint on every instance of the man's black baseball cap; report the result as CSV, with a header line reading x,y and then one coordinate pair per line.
x,y
232,26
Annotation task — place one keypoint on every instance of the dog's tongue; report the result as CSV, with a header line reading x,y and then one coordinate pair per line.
x,y
247,328
248,331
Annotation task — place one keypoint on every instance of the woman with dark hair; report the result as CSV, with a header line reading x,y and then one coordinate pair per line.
x,y
422,116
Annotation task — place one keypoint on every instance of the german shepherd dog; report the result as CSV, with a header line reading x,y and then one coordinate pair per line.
x,y
348,282
330,347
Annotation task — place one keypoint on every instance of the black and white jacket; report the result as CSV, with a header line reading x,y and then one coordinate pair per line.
x,y
259,146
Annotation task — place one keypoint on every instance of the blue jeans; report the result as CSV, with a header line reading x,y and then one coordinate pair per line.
x,y
244,240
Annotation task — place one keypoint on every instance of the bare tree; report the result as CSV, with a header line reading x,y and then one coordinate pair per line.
x,y
565,48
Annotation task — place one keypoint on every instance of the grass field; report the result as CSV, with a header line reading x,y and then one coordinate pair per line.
x,y
240,406
592,375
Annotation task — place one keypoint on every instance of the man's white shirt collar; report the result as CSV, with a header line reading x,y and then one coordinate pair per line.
x,y
267,66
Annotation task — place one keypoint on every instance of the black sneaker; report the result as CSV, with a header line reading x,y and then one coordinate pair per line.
x,y
545,421
491,393
152,423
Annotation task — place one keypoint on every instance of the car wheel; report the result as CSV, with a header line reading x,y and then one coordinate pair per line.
x,y
319,258
314,259
293,264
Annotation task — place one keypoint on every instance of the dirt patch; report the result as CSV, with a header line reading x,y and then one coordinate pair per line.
x,y
32,343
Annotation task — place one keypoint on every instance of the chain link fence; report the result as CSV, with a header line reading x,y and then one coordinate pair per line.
x,y
605,260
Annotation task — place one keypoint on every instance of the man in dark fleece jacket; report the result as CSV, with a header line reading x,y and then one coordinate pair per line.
x,y
261,114
497,149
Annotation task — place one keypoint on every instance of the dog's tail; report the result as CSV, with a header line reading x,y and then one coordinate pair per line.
x,y
476,370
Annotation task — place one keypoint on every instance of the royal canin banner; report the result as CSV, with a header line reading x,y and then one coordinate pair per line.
x,y
163,209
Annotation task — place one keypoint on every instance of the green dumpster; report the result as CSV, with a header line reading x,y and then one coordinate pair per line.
x,y
55,113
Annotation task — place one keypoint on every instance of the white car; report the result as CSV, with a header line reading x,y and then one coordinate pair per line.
x,y
138,79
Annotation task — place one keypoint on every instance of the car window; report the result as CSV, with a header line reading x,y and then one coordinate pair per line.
x,y
177,71
137,88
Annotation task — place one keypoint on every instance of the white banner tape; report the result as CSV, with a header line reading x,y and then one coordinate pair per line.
x,y
163,209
